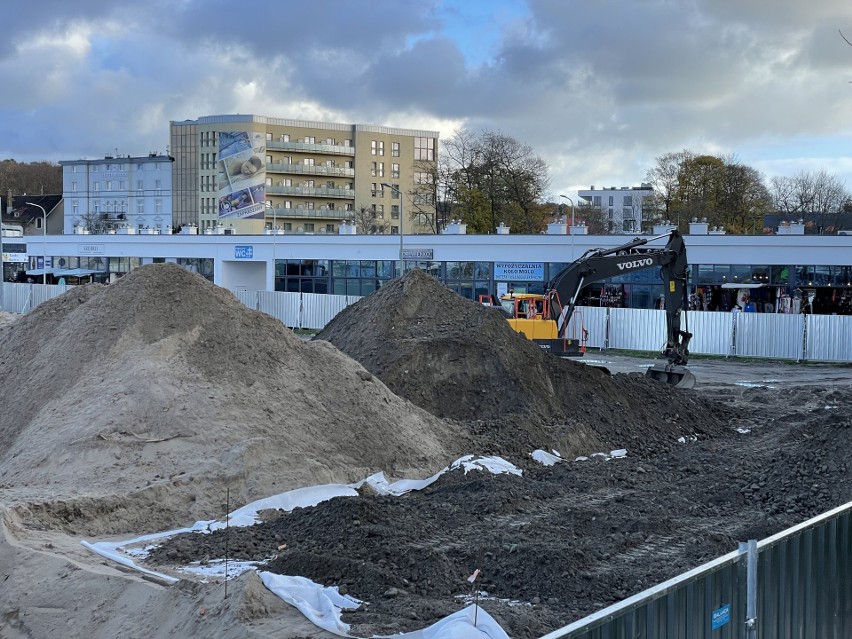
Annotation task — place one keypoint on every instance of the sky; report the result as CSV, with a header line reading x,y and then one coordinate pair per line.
x,y
598,88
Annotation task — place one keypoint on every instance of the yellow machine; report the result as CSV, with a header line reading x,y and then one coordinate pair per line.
x,y
529,314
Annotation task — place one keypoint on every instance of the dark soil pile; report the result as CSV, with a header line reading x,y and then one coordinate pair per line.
x,y
459,359
561,541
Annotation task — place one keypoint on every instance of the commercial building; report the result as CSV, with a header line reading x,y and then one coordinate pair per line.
x,y
769,268
254,173
116,193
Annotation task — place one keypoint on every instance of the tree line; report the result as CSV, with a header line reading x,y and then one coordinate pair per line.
x,y
487,178
34,178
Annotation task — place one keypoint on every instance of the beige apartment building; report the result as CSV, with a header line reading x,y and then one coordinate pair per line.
x,y
252,173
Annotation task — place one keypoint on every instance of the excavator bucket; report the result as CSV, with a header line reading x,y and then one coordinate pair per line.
x,y
677,376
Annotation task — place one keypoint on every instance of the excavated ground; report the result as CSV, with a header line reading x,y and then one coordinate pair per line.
x,y
249,407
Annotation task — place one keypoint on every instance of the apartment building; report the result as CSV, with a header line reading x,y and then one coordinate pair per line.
x,y
257,173
118,193
620,209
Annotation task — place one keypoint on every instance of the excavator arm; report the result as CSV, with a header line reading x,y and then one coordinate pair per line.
x,y
601,264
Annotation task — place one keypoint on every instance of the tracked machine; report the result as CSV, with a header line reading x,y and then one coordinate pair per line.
x,y
545,318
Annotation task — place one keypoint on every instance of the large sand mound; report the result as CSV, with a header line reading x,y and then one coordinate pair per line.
x,y
134,406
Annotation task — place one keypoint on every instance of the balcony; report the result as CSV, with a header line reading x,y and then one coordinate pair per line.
x,y
328,149
307,169
311,191
300,211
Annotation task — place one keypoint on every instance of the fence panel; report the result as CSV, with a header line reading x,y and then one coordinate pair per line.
x,y
773,335
318,310
286,307
711,332
804,591
248,298
637,329
828,338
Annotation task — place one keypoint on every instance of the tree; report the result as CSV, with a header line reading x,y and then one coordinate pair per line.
x,y
367,221
36,178
718,189
663,177
497,171
818,196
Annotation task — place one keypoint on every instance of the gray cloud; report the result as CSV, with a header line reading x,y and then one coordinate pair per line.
x,y
599,89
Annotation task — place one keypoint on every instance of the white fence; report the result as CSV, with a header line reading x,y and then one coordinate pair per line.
x,y
802,337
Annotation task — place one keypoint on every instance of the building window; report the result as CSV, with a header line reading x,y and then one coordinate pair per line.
x,y
374,145
381,148
73,186
158,184
347,142
424,148
288,204
375,190
269,137
373,169
309,227
395,149
75,208
140,207
329,228
395,171
309,139
139,185
381,169
309,184
158,207
330,206
610,200
329,184
97,186
380,210
285,137
395,211
395,191
309,206
308,161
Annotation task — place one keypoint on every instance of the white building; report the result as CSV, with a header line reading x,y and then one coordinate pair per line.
x,y
621,208
118,194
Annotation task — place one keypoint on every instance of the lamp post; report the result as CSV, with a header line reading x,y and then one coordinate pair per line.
x,y
396,190
44,235
274,240
572,223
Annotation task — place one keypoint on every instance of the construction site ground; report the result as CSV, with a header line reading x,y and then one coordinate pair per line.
x,y
143,402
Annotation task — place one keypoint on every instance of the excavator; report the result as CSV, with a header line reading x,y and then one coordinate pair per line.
x,y
544,318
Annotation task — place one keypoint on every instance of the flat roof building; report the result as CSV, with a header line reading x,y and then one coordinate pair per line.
x,y
259,173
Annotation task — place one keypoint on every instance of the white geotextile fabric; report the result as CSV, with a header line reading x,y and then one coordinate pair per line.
x,y
322,605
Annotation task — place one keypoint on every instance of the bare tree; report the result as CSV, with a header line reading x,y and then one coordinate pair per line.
x,y
367,221
664,178
819,197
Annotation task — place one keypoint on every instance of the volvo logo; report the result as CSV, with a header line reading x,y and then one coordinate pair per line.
x,y
622,266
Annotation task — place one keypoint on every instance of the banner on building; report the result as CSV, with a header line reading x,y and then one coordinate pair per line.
x,y
242,175
519,271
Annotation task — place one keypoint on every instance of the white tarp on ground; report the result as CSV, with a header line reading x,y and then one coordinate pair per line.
x,y
323,605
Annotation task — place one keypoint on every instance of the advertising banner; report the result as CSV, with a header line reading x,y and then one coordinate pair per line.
x,y
242,175
519,271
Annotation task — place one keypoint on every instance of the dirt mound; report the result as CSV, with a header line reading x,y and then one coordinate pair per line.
x,y
458,359
136,405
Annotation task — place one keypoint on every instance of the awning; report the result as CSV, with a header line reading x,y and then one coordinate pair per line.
x,y
735,285
75,272
41,271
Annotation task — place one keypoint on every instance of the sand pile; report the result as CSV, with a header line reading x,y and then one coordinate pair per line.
x,y
133,406
458,359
